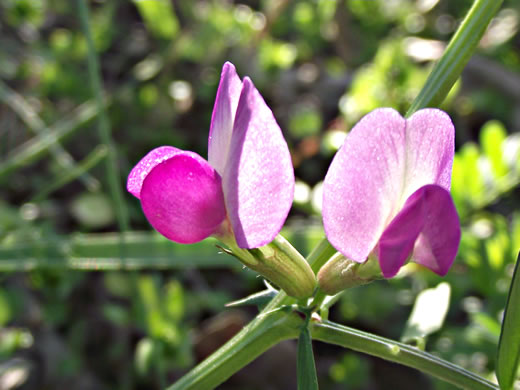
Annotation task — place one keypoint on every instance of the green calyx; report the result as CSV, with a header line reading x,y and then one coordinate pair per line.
x,y
280,263
340,273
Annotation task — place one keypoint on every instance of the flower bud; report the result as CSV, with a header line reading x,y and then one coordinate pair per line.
x,y
340,273
280,263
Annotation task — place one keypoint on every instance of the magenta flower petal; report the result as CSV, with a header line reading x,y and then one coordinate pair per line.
x,y
182,198
428,214
223,117
439,240
258,180
364,183
143,167
398,239
430,145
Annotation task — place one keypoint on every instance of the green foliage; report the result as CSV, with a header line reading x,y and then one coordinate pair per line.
x,y
158,17
390,79
160,63
350,370
481,177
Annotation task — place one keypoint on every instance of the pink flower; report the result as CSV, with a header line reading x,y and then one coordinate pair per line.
x,y
387,192
245,189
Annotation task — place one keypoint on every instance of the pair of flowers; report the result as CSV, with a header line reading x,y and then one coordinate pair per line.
x,y
386,193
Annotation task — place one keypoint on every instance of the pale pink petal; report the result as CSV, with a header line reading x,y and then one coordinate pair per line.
x,y
143,167
430,146
182,198
429,226
223,117
258,180
364,183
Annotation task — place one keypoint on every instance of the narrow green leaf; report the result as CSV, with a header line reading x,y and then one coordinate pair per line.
x,y
36,147
30,117
464,42
307,378
258,299
104,130
467,182
66,177
508,357
93,252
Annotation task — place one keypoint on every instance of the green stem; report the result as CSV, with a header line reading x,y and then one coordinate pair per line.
x,y
94,73
318,299
265,331
273,325
457,54
394,351
320,255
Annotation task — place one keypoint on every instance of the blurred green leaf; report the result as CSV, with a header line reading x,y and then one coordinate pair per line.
x,y
13,339
351,370
492,137
94,157
31,118
174,305
488,324
5,309
515,233
305,121
36,147
144,356
467,184
93,210
508,357
276,54
25,11
105,252
159,17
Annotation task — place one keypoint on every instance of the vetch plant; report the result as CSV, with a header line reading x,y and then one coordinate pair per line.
x,y
386,202
386,195
241,195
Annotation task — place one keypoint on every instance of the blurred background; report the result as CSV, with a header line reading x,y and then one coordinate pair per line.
x,y
82,307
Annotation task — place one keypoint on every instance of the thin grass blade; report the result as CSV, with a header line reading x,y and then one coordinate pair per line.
x,y
36,147
29,116
508,357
